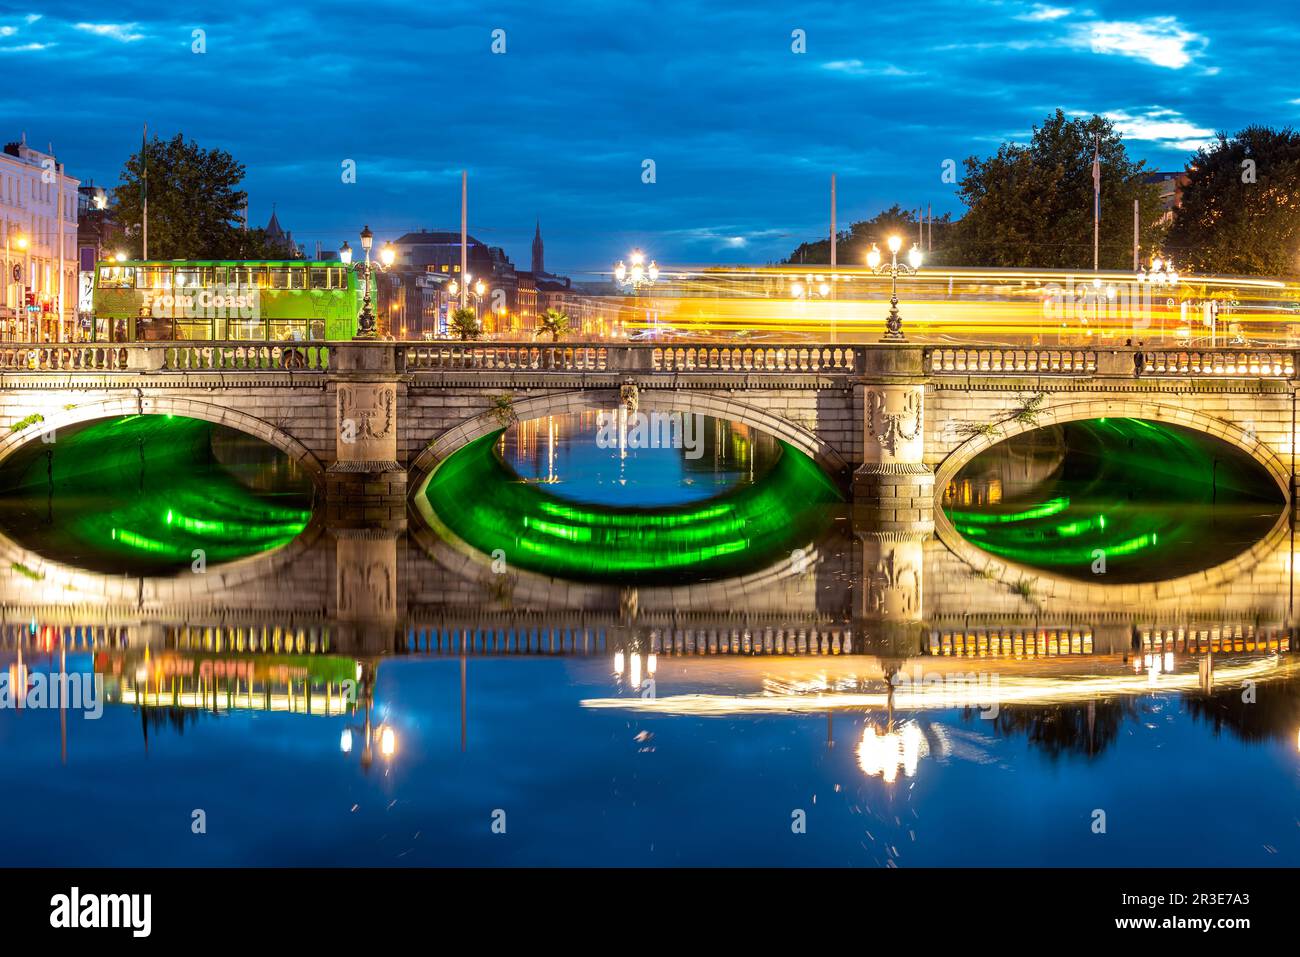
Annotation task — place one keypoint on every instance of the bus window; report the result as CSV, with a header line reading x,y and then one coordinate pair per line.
x,y
116,277
187,278
157,277
210,276
316,329
338,277
188,329
297,277
288,330
320,277
245,329
279,277
258,277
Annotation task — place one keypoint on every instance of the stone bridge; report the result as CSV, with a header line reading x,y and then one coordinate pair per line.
x,y
892,423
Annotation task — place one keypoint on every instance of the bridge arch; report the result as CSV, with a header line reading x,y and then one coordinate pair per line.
x,y
649,400
1229,432
185,407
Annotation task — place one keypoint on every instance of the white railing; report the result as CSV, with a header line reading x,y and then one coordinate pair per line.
x,y
241,356
62,358
840,360
461,356
996,361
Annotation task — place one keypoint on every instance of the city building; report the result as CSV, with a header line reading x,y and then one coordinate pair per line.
x,y
38,242
1171,191
281,239
99,236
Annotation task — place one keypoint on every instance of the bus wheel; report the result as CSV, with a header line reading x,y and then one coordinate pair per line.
x,y
293,359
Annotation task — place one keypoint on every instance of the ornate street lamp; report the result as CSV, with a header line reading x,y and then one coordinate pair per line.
x,y
472,292
894,324
1162,273
814,286
366,326
638,274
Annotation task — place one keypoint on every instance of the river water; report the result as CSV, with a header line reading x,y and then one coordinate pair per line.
x,y
583,650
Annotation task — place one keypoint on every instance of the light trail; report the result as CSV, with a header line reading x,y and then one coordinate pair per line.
x,y
983,691
1012,306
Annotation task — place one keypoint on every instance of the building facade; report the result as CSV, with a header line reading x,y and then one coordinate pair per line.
x,y
38,241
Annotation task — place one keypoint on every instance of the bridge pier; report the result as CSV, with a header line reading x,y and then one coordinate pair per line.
x,y
894,488
365,483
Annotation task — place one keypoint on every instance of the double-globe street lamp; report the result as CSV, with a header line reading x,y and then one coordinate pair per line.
x,y
637,275
475,291
366,326
894,324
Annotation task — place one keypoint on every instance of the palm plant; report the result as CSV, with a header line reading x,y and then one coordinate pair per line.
x,y
465,324
554,323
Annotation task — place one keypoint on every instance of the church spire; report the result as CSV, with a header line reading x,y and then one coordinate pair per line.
x,y
539,259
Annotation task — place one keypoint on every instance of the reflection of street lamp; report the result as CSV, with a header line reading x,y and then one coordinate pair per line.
x,y
384,736
894,324
887,753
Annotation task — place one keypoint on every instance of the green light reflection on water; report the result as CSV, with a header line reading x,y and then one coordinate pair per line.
x,y
142,495
485,503
1154,499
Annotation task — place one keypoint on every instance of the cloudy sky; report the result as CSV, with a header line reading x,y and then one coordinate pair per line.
x,y
743,130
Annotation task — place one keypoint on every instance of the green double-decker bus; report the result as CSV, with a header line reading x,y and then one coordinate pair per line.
x,y
291,300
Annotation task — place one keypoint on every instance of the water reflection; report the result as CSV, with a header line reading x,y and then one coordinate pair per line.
x,y
385,691
150,494
563,523
1131,500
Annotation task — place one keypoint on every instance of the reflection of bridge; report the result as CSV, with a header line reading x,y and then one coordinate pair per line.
x,y
894,422
406,591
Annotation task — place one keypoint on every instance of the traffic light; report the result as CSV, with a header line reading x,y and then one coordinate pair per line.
x,y
29,300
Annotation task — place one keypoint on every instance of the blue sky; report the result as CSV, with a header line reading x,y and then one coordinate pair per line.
x,y
744,132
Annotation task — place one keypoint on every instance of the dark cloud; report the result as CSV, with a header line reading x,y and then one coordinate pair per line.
x,y
744,132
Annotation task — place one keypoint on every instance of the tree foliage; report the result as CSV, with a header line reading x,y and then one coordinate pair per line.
x,y
851,245
1240,209
195,205
1032,204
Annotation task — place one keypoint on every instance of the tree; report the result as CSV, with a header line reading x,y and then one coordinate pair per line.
x,y
553,323
195,207
1032,205
465,324
851,245
1240,209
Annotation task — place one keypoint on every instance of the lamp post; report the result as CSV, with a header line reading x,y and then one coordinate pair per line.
x,y
1162,275
366,326
473,288
636,276
813,286
894,324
